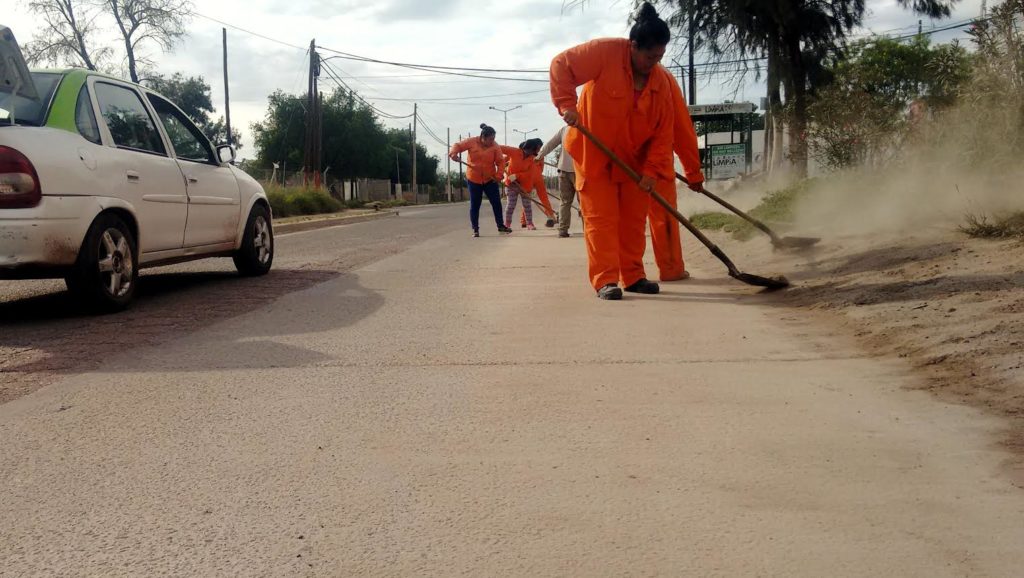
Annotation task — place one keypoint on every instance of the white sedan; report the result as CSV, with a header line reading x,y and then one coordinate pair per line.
x,y
100,177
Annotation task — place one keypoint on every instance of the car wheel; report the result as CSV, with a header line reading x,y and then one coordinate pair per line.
x,y
257,252
106,272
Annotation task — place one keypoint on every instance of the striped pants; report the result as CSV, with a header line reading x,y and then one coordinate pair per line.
x,y
515,191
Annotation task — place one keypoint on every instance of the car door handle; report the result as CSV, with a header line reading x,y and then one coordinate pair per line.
x,y
192,180
133,176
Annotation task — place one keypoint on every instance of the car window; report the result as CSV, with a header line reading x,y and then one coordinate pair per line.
x,y
85,118
188,142
130,125
30,111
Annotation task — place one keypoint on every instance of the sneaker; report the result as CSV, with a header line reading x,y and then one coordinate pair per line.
x,y
644,286
522,225
505,230
530,227
564,234
476,233
610,292
549,223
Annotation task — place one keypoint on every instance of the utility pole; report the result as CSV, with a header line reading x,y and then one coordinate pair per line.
x,y
311,117
448,171
505,112
462,192
318,142
415,191
693,72
227,93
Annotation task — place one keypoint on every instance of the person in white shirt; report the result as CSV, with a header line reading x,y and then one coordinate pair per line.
x,y
566,180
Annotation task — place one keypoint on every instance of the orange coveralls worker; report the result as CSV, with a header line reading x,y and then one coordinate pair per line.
x,y
542,192
528,175
484,163
668,247
637,126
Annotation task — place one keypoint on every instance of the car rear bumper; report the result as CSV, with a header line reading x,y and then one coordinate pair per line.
x,y
44,241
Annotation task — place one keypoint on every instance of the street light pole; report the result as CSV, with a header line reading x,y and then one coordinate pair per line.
x,y
524,132
505,112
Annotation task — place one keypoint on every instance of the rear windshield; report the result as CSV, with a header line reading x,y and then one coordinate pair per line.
x,y
29,111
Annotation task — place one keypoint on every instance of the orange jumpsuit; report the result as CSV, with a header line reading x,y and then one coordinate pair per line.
x,y
668,247
528,174
484,164
637,126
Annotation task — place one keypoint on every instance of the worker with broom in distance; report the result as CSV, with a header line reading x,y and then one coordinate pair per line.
x,y
545,203
483,172
521,178
668,246
566,179
627,102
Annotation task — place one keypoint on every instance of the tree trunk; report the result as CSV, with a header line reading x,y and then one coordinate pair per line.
x,y
796,92
83,52
115,9
774,120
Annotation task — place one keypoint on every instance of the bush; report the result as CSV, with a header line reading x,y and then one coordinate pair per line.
x,y
1001,227
294,201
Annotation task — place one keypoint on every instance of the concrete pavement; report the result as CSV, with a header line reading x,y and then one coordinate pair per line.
x,y
467,407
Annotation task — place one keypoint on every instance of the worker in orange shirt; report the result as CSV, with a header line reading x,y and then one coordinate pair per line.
x,y
668,247
520,179
542,194
485,170
627,103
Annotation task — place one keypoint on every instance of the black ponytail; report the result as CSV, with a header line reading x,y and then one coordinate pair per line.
x,y
649,30
486,131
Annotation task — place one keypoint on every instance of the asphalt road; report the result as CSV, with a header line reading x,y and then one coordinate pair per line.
x,y
401,399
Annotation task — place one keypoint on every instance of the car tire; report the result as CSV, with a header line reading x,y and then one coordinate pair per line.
x,y
256,254
107,269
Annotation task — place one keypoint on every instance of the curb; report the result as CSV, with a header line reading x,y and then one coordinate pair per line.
x,y
284,228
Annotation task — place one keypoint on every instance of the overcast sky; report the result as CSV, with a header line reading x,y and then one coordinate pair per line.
x,y
464,33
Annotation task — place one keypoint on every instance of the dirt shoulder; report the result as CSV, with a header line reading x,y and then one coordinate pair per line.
x,y
951,305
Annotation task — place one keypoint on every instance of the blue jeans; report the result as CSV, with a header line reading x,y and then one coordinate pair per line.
x,y
476,198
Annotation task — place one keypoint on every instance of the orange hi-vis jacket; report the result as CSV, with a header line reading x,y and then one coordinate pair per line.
x,y
523,167
638,128
665,239
484,164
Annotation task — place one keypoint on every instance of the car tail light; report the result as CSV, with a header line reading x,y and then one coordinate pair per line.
x,y
19,183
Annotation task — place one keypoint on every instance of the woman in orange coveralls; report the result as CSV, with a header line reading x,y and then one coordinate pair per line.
x,y
668,247
627,103
520,178
485,170
542,192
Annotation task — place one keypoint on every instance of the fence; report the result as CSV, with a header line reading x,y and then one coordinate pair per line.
x,y
368,189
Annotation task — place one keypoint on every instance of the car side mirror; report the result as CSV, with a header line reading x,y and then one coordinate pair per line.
x,y
226,153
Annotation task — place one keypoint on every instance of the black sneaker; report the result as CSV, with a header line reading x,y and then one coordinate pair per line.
x,y
564,234
644,286
522,225
609,292
549,223
504,230
476,233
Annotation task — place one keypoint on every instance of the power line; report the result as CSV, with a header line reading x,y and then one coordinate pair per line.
x,y
463,97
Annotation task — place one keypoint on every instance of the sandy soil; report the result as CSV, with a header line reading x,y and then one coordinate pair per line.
x,y
951,305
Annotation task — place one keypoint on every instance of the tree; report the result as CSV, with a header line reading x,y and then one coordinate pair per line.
x,y
141,22
355,145
193,97
860,117
794,35
68,28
